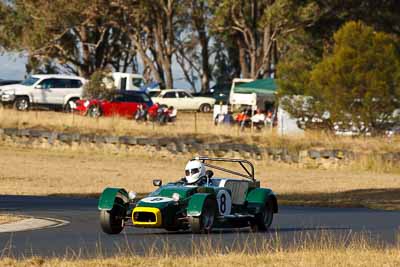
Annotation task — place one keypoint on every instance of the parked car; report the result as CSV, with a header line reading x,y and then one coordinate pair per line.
x,y
154,92
198,202
123,103
220,92
183,100
52,91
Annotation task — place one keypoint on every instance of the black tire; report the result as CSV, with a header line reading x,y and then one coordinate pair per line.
x,y
22,103
94,111
205,108
110,222
67,107
204,222
264,219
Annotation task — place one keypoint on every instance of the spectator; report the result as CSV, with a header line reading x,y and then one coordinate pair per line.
x,y
172,112
219,119
258,119
243,118
268,119
153,112
141,113
228,119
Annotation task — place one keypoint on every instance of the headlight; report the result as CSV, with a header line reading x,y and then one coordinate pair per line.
x,y
132,195
86,104
175,197
7,96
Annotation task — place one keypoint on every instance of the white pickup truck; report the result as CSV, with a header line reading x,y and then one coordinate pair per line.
x,y
127,81
183,100
54,91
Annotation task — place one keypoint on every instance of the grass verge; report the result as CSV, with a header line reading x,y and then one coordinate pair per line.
x,y
324,251
198,125
86,173
306,258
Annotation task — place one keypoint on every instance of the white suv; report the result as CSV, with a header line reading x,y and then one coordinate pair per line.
x,y
183,100
54,91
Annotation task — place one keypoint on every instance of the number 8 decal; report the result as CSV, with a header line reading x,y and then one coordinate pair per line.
x,y
224,202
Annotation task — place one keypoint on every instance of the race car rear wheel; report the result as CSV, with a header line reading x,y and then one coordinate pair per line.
x,y
111,221
264,219
204,222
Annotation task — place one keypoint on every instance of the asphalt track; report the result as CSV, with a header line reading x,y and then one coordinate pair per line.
x,y
83,237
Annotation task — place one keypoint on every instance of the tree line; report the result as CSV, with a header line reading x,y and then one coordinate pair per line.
x,y
343,55
210,40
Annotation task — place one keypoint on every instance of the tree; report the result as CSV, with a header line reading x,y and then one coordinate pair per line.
x,y
100,85
359,82
81,36
152,26
193,54
257,27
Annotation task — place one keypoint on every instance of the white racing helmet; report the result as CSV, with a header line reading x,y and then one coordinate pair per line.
x,y
194,170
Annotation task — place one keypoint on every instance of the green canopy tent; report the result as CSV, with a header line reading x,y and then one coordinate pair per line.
x,y
265,89
262,86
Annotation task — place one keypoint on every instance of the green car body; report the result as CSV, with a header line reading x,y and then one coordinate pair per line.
x,y
219,203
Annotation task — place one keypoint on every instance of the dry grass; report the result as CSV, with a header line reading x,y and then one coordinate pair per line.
x,y
88,172
323,252
308,258
202,127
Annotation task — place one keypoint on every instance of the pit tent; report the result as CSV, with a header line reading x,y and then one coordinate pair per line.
x,y
265,90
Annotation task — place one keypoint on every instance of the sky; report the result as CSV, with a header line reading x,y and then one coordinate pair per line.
x,y
12,67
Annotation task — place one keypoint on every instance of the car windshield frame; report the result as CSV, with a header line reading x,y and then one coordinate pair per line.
x,y
30,81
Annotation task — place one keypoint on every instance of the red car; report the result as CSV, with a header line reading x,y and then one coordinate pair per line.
x,y
123,103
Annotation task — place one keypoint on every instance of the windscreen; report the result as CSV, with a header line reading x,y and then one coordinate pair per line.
x,y
30,81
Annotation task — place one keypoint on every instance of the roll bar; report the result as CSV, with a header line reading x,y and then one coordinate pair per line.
x,y
242,162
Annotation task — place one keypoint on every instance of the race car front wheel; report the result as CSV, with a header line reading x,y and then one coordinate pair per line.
x,y
264,219
111,222
204,222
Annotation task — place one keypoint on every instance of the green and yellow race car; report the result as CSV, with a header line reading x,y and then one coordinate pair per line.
x,y
199,201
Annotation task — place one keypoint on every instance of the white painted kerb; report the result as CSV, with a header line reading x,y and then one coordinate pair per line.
x,y
31,224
